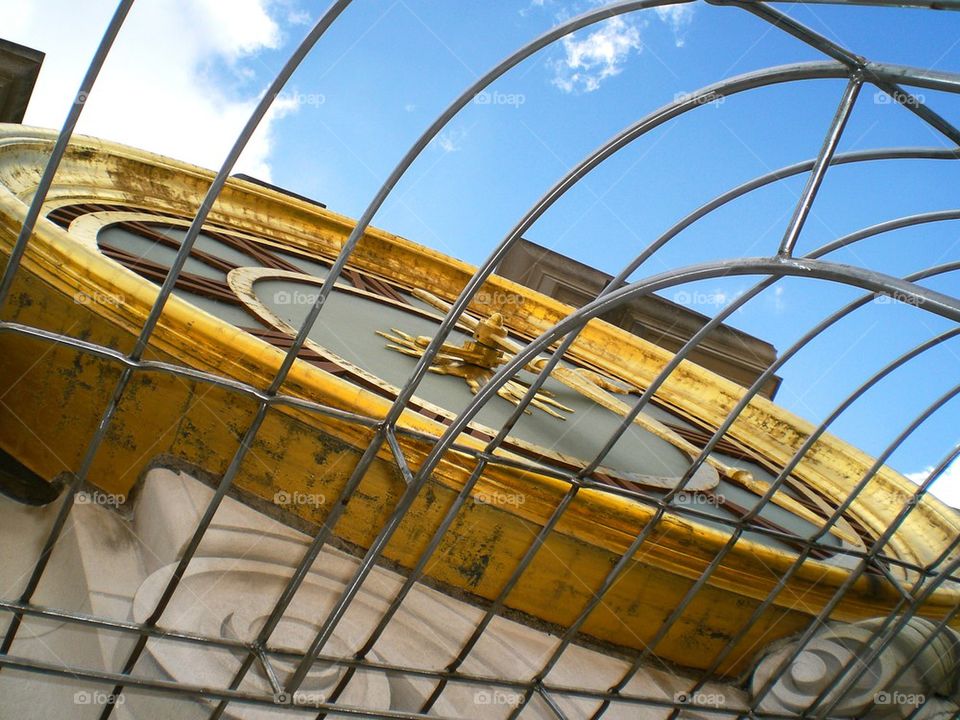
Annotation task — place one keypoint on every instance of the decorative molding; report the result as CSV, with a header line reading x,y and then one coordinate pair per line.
x,y
930,680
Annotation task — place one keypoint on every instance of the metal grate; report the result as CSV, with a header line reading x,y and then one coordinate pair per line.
x,y
841,63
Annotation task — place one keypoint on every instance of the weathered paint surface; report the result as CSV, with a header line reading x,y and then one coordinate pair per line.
x,y
53,397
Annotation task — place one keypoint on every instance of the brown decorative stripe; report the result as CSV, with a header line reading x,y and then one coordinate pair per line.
x,y
254,250
150,270
65,215
149,233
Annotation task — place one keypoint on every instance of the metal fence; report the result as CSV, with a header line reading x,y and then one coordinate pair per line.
x,y
841,63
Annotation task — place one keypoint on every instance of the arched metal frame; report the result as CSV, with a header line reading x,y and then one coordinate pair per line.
x,y
844,64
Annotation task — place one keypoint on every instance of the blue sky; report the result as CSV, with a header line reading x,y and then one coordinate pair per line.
x,y
186,73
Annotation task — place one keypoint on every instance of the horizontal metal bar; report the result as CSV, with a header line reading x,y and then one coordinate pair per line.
x,y
200,692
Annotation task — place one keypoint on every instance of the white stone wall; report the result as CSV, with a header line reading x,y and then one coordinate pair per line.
x,y
114,566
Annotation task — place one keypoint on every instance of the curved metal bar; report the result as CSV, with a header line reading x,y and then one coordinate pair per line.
x,y
518,411
771,177
841,591
841,675
876,73
201,692
926,4
166,289
939,303
739,84
33,214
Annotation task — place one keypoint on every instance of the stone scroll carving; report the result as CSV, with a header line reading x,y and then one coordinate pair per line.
x,y
930,681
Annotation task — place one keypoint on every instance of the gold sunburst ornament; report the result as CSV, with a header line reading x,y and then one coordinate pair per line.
x,y
476,360
90,275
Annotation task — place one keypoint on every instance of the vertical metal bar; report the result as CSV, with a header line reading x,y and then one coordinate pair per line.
x,y
815,179
459,305
268,671
550,703
405,393
186,245
60,147
20,246
398,455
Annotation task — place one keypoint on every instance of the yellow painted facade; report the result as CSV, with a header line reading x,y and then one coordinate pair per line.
x,y
53,396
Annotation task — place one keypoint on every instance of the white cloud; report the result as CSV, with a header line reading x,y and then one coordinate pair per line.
x,y
534,5
175,83
604,51
450,140
600,55
946,487
779,304
298,17
678,17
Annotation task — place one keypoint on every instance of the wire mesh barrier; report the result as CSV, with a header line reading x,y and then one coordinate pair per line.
x,y
870,587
